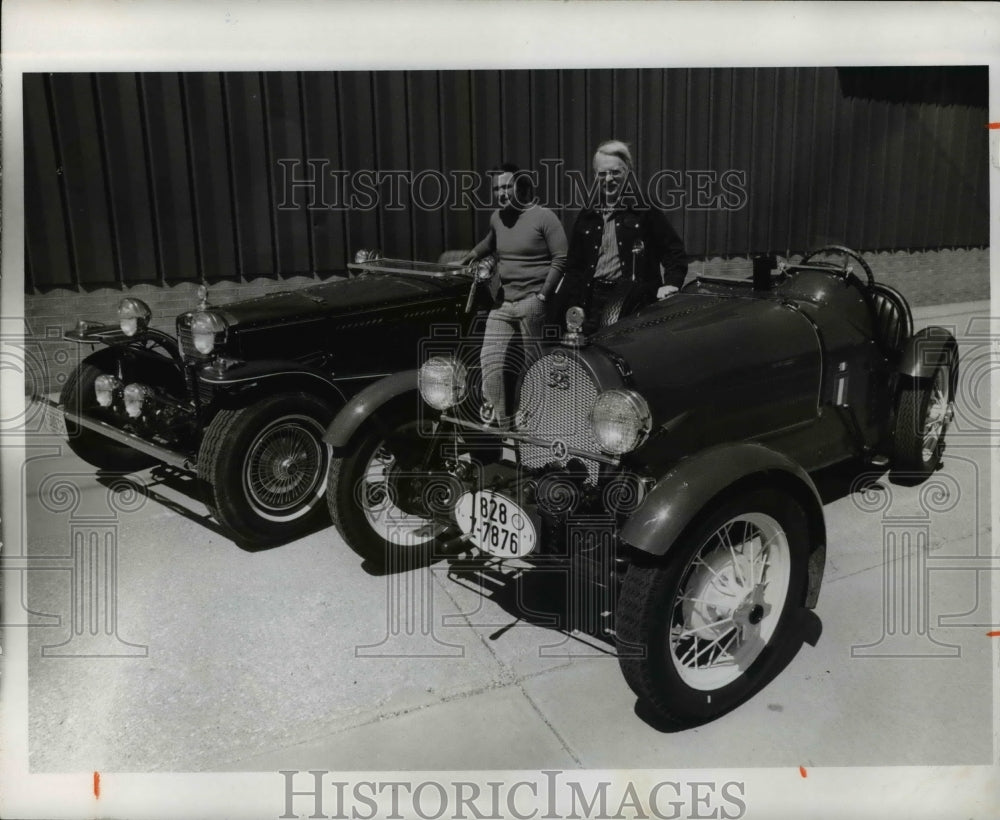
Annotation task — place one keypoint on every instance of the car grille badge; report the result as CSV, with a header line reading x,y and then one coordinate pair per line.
x,y
558,376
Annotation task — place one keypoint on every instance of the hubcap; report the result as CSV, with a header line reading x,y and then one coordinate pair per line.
x,y
285,467
730,598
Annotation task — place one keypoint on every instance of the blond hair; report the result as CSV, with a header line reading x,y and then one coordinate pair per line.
x,y
615,148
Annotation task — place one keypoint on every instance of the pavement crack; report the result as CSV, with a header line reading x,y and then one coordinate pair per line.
x,y
555,732
506,672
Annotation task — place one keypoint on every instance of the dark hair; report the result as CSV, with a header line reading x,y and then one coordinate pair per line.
x,y
523,181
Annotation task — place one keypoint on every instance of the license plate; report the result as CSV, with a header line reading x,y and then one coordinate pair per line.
x,y
496,524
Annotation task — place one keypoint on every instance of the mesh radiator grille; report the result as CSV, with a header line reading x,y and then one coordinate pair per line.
x,y
557,395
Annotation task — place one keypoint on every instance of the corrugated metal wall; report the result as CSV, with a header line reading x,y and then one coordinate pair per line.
x,y
160,178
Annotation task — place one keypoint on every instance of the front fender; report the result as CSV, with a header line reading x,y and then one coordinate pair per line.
x,y
367,403
926,351
685,491
268,376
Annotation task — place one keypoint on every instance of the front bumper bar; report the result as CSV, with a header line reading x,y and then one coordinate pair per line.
x,y
527,438
167,456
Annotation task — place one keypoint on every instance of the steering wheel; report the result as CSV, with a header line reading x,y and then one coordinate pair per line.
x,y
843,270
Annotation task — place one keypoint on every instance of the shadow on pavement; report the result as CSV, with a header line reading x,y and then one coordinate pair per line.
x,y
163,483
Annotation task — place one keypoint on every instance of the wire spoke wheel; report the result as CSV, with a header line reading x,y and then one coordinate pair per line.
x,y
285,465
731,596
937,416
924,410
703,628
378,496
263,467
383,497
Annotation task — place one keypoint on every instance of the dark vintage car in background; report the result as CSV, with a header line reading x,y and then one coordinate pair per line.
x,y
674,449
243,393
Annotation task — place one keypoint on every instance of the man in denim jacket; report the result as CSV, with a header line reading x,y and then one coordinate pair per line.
x,y
617,248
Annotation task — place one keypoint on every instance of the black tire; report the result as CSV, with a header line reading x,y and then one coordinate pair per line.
x,y
702,583
923,411
78,396
362,503
263,468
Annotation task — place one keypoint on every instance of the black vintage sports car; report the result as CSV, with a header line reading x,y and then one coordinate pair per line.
x,y
243,394
679,440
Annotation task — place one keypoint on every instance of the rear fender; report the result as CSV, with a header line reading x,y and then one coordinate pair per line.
x,y
372,404
926,351
699,481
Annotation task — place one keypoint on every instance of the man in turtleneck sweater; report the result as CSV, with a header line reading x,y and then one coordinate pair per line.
x,y
531,246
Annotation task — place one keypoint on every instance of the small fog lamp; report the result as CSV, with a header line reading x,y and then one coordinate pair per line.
x,y
133,315
620,420
105,386
135,396
442,382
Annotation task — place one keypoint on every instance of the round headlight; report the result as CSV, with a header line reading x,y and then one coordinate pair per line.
x,y
367,255
620,420
133,315
442,382
204,328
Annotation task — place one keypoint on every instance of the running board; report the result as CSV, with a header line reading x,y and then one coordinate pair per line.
x,y
171,457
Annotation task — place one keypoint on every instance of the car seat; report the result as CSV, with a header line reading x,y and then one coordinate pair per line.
x,y
893,319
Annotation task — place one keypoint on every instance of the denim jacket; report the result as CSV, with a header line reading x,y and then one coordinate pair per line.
x,y
643,230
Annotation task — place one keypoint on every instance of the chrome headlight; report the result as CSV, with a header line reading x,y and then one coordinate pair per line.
x,y
105,386
133,315
135,396
367,255
620,420
204,328
442,382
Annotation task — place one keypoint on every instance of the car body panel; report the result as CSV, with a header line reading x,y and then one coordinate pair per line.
x,y
326,342
771,354
698,480
740,380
